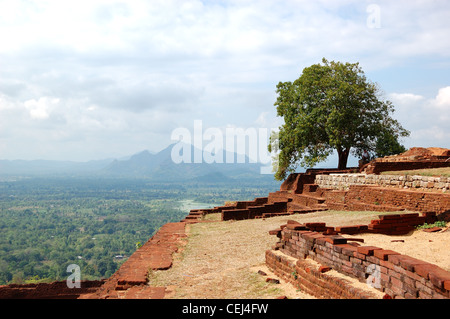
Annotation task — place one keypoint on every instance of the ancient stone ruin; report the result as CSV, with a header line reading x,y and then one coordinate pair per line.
x,y
357,189
414,158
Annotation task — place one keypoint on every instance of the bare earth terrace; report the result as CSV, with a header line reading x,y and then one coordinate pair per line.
x,y
221,259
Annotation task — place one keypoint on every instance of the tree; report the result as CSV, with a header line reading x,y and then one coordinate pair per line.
x,y
330,107
387,144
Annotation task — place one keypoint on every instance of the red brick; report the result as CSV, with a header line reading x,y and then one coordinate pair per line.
x,y
380,226
428,214
406,262
396,282
296,227
447,285
272,280
336,240
347,249
323,269
366,250
387,264
274,232
362,227
384,278
359,255
395,259
347,229
383,254
423,270
389,217
432,229
439,276
314,225
410,215
309,235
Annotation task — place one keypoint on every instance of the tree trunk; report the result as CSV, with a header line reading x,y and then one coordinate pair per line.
x,y
343,157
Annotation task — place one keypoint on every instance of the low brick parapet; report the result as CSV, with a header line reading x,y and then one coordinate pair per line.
x,y
314,280
131,279
397,275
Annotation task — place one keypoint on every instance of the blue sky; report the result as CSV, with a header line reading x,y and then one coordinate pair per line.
x,y
85,80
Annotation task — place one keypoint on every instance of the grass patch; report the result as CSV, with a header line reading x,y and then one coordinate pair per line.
x,y
259,288
442,171
435,224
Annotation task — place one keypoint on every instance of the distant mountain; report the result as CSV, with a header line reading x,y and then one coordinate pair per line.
x,y
155,166
161,166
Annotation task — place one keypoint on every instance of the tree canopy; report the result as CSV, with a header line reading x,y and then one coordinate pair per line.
x,y
331,107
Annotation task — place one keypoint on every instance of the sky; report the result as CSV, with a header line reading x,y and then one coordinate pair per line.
x,y
88,80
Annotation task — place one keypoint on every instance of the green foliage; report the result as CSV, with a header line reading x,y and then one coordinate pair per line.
x,y
47,224
387,144
330,107
439,223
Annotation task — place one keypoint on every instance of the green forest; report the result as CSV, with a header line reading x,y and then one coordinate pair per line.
x,y
47,224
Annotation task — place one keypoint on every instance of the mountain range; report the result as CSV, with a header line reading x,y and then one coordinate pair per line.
x,y
155,166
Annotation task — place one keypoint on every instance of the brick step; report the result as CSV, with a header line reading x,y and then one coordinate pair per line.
x,y
253,208
310,188
374,207
219,209
193,217
255,211
291,206
279,196
307,200
195,213
265,215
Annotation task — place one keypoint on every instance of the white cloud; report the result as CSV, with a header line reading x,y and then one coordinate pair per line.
x,y
426,118
404,98
117,75
443,99
40,109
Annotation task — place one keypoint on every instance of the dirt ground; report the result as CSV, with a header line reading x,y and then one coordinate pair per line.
x,y
220,260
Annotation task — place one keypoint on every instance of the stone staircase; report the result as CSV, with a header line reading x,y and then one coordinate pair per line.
x,y
286,201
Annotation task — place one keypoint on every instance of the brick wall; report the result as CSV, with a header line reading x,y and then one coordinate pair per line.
x,y
363,197
54,290
130,281
416,182
312,280
397,275
376,167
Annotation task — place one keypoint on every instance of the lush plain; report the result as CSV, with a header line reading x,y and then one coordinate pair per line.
x,y
47,224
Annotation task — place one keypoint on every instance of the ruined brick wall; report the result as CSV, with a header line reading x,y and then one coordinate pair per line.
x,y
406,199
312,280
54,290
397,275
377,167
363,197
412,182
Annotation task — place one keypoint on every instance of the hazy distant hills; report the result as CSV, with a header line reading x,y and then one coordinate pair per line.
x,y
159,166
47,167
